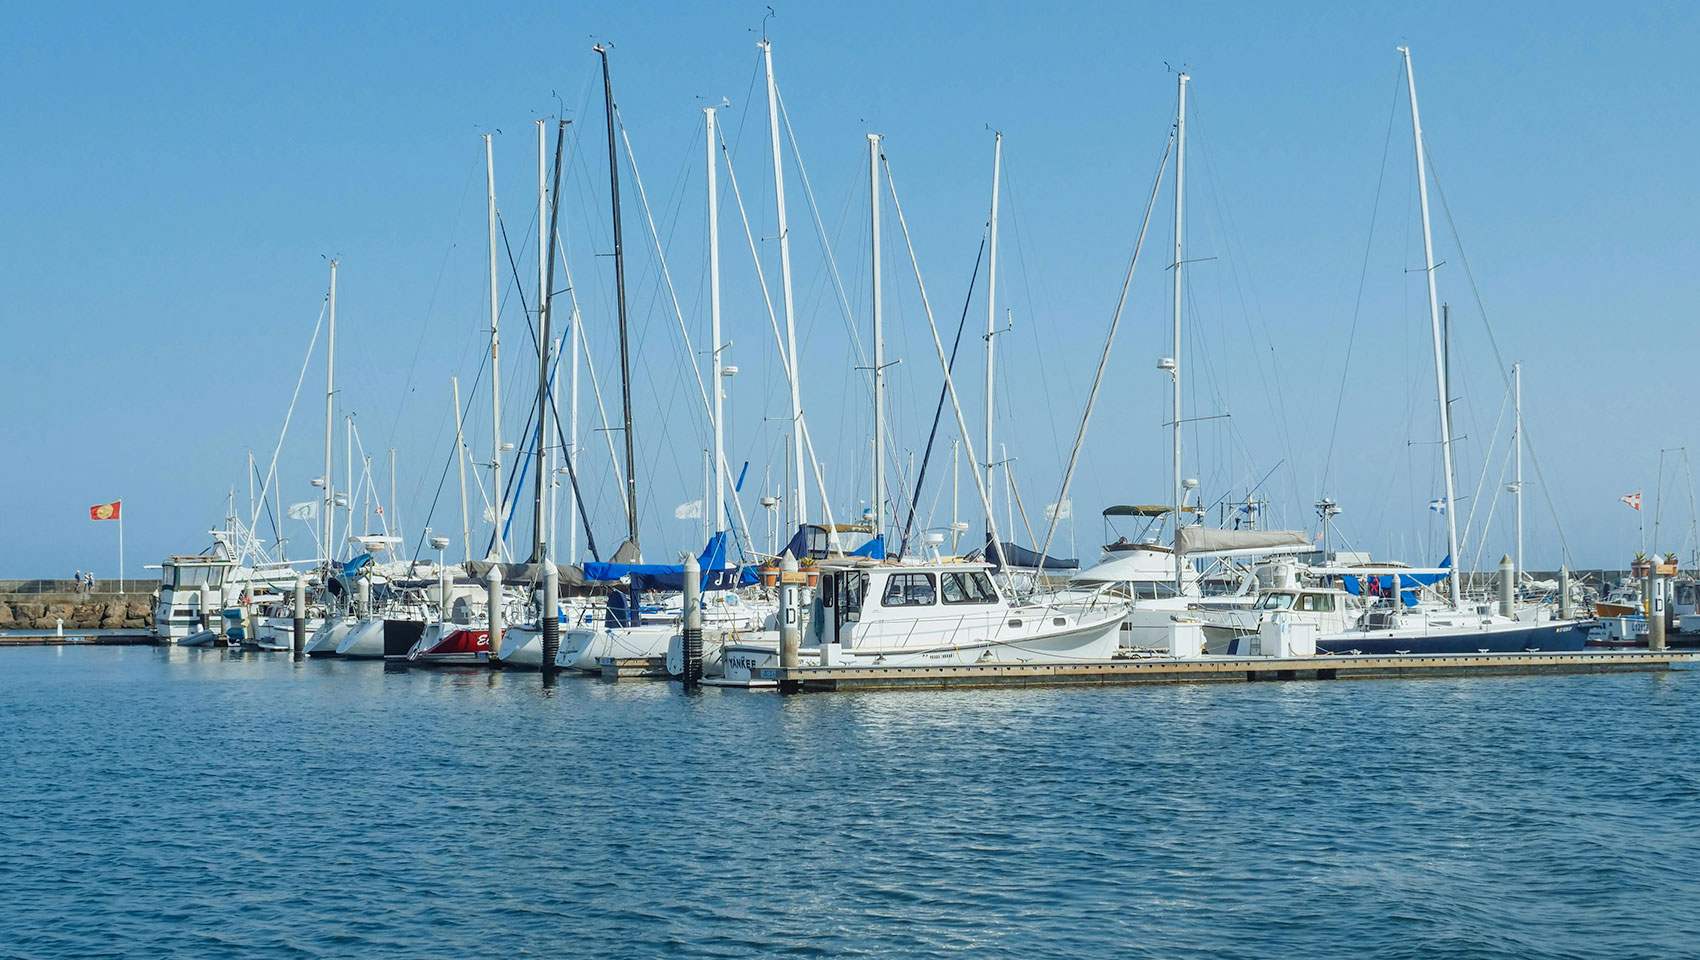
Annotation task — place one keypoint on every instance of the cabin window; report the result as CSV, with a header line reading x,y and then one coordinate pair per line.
x,y
970,587
909,590
1317,602
1152,589
1275,601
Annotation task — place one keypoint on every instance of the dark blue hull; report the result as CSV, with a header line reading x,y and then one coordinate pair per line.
x,y
1546,637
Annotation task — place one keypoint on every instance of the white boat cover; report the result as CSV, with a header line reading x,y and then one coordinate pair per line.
x,y
1209,540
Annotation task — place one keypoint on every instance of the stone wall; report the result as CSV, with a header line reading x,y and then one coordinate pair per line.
x,y
43,611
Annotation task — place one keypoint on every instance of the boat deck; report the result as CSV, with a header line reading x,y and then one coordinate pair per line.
x,y
1219,669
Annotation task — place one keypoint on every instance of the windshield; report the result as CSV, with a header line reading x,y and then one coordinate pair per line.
x,y
1275,601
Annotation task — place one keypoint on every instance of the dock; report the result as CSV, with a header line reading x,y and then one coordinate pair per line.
x,y
1221,669
80,638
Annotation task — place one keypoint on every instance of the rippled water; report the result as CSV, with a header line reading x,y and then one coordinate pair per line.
x,y
187,803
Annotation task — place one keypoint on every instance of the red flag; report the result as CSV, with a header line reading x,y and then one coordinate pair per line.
x,y
1632,499
105,511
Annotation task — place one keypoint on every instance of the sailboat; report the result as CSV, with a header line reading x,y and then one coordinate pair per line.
x,y
1400,623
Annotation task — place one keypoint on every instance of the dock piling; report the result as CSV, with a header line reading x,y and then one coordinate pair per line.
x,y
549,615
1656,613
1566,608
1507,587
790,620
364,593
494,616
693,623
299,610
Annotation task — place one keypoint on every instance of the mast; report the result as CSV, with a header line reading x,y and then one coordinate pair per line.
x,y
539,545
991,316
798,494
1434,323
348,466
620,300
879,338
1180,223
719,498
330,428
495,346
460,455
1517,480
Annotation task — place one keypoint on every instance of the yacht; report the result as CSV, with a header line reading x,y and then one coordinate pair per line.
x,y
869,613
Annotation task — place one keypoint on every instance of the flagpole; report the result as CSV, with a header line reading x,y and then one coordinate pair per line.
x,y
120,544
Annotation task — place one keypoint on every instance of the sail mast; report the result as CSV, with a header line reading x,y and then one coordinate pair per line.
x,y
539,546
879,337
991,318
1175,358
715,345
1451,503
799,494
496,339
620,301
330,427
1517,480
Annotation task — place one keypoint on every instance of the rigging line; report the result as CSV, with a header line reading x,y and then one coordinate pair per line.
x,y
431,305
1481,545
773,322
944,364
1229,231
1009,472
431,512
938,410
277,534
666,275
820,227
272,470
1109,340
1499,361
577,323
1475,498
1363,275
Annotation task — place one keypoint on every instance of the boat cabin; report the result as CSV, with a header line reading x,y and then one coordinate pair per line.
x,y
870,602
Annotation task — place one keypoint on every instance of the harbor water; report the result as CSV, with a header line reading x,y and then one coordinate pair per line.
x,y
186,803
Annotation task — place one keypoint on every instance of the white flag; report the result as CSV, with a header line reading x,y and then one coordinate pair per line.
x,y
1060,511
688,511
489,514
304,511
1438,504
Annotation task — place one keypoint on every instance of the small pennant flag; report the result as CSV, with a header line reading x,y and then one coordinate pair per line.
x,y
489,514
688,511
1632,499
1060,511
307,510
1438,504
109,511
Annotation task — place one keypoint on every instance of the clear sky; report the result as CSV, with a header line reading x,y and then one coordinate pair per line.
x,y
176,176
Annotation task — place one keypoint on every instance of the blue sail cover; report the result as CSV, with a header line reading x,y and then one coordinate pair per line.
x,y
1382,586
874,549
716,575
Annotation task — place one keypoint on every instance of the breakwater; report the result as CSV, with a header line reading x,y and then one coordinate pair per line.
x,y
45,604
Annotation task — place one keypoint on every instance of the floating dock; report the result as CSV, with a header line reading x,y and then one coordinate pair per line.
x,y
1221,669
79,638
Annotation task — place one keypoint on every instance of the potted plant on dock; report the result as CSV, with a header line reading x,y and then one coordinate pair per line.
x,y
811,572
769,571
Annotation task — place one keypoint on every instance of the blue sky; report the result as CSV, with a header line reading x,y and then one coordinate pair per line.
x,y
177,176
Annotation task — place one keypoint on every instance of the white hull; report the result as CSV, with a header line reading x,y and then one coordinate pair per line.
x,y
522,648
364,642
328,637
583,649
713,654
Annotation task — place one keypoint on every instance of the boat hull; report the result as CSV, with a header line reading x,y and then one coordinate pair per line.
x,y
327,638
461,646
1516,638
584,649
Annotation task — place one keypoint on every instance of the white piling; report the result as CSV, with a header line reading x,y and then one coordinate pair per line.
x,y
300,613
1507,588
549,615
494,582
693,622
790,625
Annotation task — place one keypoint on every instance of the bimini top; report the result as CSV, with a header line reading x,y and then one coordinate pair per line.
x,y
1147,510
